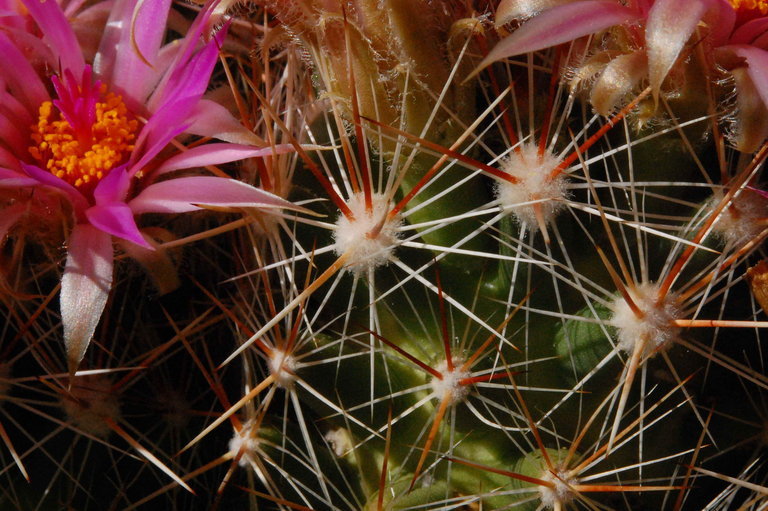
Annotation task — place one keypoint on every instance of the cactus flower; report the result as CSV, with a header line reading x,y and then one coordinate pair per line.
x,y
91,142
657,34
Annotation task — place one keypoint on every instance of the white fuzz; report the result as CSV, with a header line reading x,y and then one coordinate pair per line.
x,y
534,185
91,400
655,327
743,219
369,239
246,443
283,368
427,480
450,385
340,441
559,496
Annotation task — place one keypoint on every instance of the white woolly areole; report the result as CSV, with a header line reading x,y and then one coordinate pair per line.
x,y
450,385
561,494
534,185
340,441
90,402
743,219
283,368
245,442
656,325
369,239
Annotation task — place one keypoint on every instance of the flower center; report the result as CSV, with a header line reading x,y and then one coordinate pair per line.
x,y
84,134
751,7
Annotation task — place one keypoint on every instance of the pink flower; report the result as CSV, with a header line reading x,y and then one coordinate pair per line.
x,y
88,134
658,32
560,24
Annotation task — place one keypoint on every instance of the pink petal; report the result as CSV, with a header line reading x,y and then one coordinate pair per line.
x,y
761,192
559,25
761,41
70,10
58,33
757,66
11,134
750,32
113,187
43,177
216,154
22,79
116,219
168,87
671,23
9,160
9,13
188,193
85,287
13,109
118,60
89,25
161,128
721,20
193,77
210,119
32,45
750,128
12,179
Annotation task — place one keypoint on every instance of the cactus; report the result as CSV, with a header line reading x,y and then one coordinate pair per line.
x,y
477,255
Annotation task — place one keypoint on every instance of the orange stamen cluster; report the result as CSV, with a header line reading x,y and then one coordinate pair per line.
x,y
83,160
752,7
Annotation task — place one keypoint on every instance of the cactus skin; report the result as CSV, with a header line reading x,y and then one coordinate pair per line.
x,y
565,371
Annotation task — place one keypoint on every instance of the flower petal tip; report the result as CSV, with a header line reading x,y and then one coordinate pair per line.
x,y
85,288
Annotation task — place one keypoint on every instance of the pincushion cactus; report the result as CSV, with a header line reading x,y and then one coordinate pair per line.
x,y
477,255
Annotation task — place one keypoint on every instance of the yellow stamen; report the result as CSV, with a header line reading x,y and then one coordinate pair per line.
x,y
82,163
758,7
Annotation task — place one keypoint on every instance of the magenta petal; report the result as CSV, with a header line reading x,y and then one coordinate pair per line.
x,y
9,13
44,177
188,193
117,61
750,32
149,27
113,187
58,33
721,20
216,154
85,287
167,89
191,78
559,25
12,179
22,79
161,128
14,109
8,160
210,119
11,134
761,192
117,220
